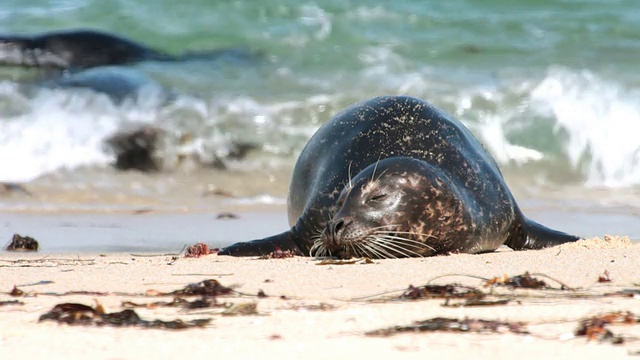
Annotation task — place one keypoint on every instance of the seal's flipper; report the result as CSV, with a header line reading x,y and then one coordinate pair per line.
x,y
538,236
264,246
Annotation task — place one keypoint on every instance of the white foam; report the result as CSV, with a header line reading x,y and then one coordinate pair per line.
x,y
492,131
59,129
490,126
602,120
56,133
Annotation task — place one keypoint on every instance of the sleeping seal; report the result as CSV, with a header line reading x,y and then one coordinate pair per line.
x,y
396,177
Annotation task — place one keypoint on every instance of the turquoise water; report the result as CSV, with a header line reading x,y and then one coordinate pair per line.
x,y
551,87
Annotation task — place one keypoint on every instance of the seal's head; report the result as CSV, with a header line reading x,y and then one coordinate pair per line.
x,y
390,209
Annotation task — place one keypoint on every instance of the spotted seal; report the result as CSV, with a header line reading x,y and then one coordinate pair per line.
x,y
396,177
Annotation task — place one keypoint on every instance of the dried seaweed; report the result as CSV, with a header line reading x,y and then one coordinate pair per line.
x,y
442,292
278,254
524,281
242,310
197,250
594,328
16,292
625,293
476,303
604,278
209,287
317,307
11,302
202,303
79,314
42,262
453,325
364,260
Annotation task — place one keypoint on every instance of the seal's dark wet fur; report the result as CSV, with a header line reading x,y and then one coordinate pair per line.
x,y
397,177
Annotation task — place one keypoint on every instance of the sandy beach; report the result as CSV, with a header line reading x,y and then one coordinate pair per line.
x,y
319,311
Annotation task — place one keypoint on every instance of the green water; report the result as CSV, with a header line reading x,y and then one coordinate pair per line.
x,y
549,84
551,88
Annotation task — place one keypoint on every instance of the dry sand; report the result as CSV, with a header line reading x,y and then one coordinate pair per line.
x,y
323,314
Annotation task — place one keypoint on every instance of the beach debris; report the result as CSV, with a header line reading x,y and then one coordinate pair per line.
x,y
312,307
37,283
47,262
9,187
594,328
209,287
197,250
22,243
213,190
11,302
453,325
361,261
278,254
524,281
136,149
243,309
604,278
80,314
475,302
161,255
141,211
16,292
202,303
227,216
633,293
442,292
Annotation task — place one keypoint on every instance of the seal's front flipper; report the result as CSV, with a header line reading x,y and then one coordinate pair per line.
x,y
538,236
264,246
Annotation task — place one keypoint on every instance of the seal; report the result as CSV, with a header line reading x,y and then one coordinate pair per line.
x,y
86,48
422,185
118,82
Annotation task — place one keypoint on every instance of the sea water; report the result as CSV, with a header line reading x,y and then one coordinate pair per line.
x,y
550,87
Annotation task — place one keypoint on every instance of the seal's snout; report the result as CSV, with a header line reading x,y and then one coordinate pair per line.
x,y
335,229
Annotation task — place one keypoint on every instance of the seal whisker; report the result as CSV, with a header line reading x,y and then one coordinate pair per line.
x,y
355,248
368,250
317,248
408,242
391,245
382,173
405,233
373,175
383,227
375,243
364,250
404,239
393,235
400,241
390,251
349,174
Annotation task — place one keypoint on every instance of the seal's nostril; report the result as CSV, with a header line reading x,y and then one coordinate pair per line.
x,y
335,226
